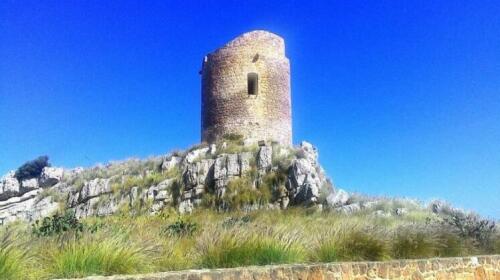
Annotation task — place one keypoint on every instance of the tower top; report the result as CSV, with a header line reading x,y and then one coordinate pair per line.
x,y
255,37
260,41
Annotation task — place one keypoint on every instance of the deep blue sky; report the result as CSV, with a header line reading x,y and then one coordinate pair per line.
x,y
402,98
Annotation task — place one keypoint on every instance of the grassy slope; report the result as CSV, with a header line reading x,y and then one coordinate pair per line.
x,y
124,244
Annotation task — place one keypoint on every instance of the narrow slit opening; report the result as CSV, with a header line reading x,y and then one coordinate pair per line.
x,y
253,83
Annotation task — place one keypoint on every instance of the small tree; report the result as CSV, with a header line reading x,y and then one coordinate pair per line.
x,y
32,168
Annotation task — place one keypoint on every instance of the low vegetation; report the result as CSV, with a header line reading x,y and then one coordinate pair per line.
x,y
63,247
57,224
229,230
91,255
12,257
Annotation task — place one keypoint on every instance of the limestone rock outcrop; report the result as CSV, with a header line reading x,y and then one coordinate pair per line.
x,y
337,198
27,200
198,178
9,186
50,176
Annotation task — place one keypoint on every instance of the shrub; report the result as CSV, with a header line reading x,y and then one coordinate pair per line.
x,y
32,169
57,224
180,228
470,225
85,257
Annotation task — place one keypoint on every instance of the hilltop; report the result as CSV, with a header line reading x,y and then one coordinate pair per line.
x,y
234,203
231,175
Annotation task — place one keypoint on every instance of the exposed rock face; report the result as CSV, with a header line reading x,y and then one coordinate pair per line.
x,y
93,189
50,176
304,182
337,198
195,154
186,181
170,162
306,178
196,178
29,185
265,158
9,186
30,206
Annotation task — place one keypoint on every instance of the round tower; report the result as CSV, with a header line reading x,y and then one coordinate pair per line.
x,y
246,90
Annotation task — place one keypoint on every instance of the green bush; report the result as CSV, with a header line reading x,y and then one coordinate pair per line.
x,y
32,169
57,224
470,225
180,228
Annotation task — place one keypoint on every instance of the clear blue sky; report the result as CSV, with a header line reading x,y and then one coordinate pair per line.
x,y
402,98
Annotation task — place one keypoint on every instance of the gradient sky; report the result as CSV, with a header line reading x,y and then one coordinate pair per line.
x,y
402,98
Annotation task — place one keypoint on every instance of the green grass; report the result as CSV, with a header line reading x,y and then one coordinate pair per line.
x,y
353,245
410,243
87,256
240,193
128,244
233,252
12,258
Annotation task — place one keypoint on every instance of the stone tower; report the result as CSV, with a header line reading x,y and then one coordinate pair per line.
x,y
246,90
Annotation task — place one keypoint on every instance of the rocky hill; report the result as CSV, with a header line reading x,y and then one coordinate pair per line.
x,y
232,175
229,175
123,217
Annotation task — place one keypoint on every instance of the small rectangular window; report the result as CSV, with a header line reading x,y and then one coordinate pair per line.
x,y
253,83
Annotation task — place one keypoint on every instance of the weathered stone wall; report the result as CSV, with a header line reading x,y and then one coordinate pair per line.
x,y
226,105
473,268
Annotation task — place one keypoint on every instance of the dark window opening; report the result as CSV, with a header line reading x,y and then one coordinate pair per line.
x,y
253,83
